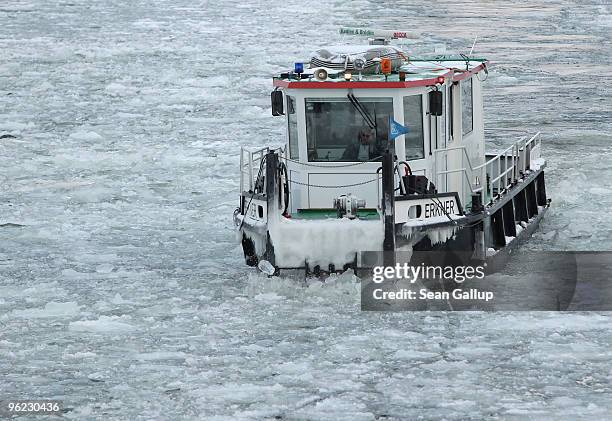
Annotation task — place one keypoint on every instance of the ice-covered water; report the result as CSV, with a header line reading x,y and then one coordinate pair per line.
x,y
122,290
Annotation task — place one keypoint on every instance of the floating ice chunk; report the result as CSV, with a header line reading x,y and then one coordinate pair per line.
x,y
247,393
471,351
18,7
407,354
105,268
266,267
128,116
104,324
15,127
78,355
148,23
557,322
599,191
43,87
123,387
506,80
52,309
268,296
253,348
93,194
491,252
117,89
215,82
9,69
255,111
96,377
565,402
85,136
118,299
72,274
161,355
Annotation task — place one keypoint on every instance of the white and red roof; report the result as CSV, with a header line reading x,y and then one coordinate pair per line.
x,y
416,72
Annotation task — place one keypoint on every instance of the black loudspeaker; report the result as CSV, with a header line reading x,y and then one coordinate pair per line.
x,y
320,74
435,103
277,103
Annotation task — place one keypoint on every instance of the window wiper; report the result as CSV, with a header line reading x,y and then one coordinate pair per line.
x,y
364,114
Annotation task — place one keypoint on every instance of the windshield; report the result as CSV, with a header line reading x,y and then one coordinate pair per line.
x,y
336,130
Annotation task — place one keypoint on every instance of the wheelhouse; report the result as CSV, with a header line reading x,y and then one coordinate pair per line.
x,y
324,119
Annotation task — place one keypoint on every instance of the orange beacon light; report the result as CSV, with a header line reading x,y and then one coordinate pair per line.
x,y
385,66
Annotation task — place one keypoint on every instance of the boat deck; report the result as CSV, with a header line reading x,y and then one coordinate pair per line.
x,y
310,214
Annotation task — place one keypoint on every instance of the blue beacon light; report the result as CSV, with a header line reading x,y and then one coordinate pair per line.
x,y
298,68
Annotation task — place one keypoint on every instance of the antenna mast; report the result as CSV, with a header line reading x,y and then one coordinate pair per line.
x,y
473,45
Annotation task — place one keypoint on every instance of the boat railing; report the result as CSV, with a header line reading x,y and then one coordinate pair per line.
x,y
250,161
499,173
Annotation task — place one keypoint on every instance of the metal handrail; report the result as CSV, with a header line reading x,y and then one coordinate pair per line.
x,y
496,156
249,161
518,154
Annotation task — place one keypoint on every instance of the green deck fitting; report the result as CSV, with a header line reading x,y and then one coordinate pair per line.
x,y
332,213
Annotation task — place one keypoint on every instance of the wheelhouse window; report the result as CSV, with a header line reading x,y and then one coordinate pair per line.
x,y
338,129
292,128
413,120
467,107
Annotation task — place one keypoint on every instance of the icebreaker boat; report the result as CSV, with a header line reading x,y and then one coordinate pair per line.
x,y
384,152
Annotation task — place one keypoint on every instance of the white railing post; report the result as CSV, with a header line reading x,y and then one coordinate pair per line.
x,y
505,178
241,169
528,155
250,166
514,163
522,157
525,161
498,175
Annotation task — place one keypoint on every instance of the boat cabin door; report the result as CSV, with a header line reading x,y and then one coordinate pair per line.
x,y
438,135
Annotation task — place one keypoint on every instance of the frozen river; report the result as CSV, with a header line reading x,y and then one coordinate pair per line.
x,y
122,288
